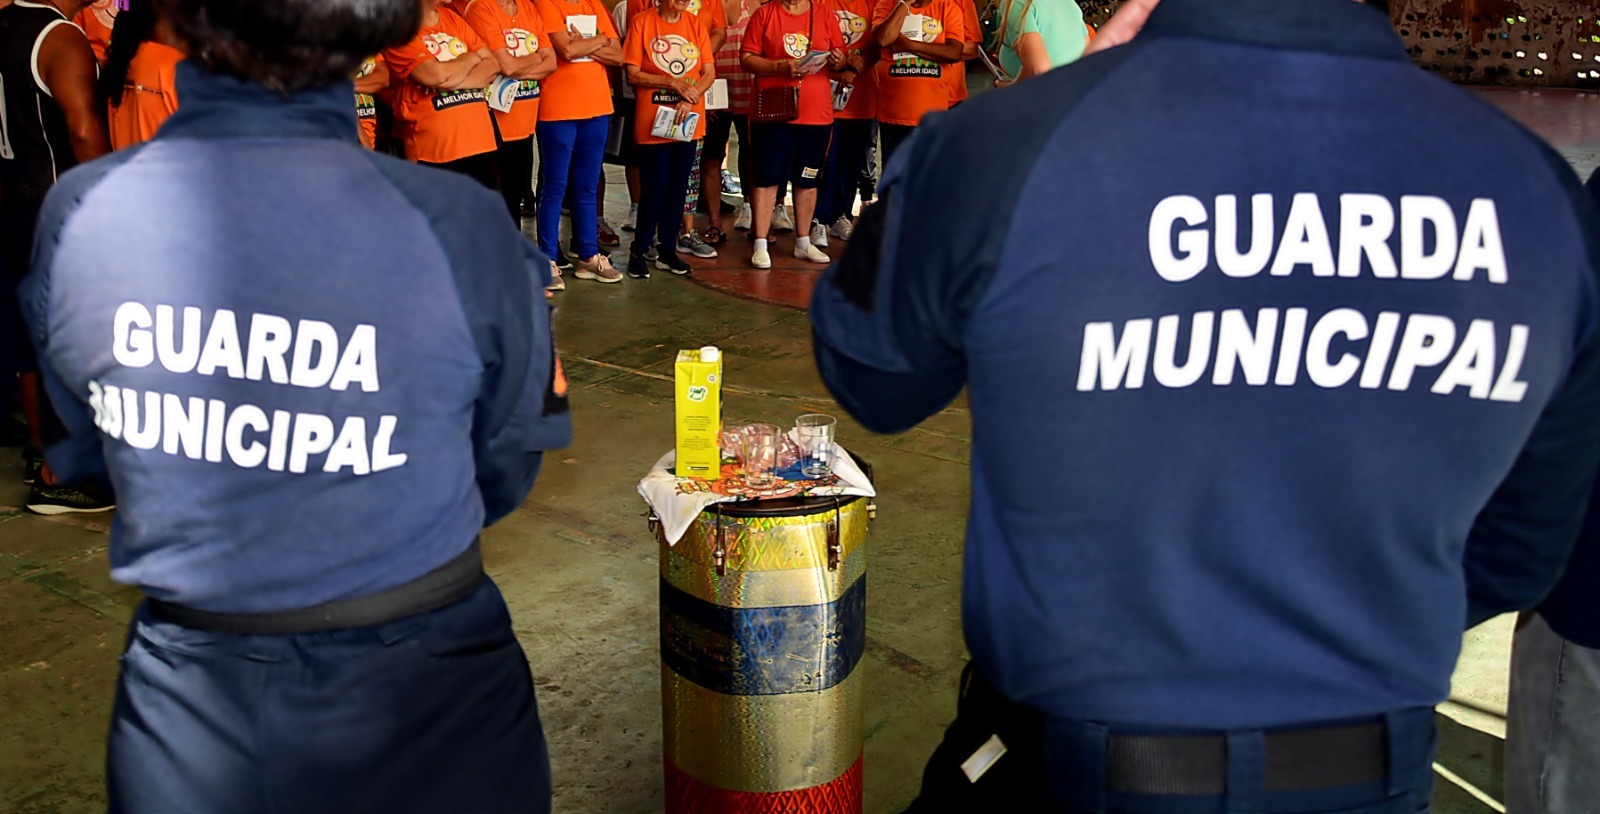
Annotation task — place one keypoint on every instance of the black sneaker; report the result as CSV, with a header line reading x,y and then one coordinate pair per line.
x,y
566,264
638,267
529,210
51,500
670,261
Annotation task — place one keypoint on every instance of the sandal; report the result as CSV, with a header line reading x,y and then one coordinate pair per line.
x,y
715,236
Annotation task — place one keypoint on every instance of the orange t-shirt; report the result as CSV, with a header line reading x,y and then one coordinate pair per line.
x,y
577,90
957,73
855,26
440,125
96,20
149,95
680,50
774,33
910,87
710,12
518,35
367,106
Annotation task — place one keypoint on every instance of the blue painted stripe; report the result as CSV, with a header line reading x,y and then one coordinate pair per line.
x,y
763,651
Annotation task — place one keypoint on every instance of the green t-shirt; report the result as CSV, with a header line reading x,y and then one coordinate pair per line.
x,y
1058,22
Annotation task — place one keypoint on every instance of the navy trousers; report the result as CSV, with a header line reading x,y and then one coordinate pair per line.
x,y
430,714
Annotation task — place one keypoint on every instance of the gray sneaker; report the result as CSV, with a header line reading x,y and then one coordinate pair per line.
x,y
692,243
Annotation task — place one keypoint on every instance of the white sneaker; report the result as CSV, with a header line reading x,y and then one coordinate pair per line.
x,y
632,219
819,235
781,222
843,228
744,221
556,283
812,254
761,260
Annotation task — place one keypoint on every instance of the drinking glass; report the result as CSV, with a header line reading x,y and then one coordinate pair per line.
x,y
816,441
758,446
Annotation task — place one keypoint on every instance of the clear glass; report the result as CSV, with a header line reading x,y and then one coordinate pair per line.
x,y
816,434
758,449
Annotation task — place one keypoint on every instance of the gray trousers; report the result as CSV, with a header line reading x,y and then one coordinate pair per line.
x,y
1553,725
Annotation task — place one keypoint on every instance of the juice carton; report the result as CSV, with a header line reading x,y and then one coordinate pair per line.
x,y
699,412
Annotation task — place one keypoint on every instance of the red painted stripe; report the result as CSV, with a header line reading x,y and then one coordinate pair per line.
x,y
686,795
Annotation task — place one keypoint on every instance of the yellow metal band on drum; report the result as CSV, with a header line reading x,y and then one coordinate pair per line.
x,y
774,543
763,743
763,589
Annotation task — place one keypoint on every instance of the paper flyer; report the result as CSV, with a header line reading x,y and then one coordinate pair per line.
x,y
717,95
814,62
912,28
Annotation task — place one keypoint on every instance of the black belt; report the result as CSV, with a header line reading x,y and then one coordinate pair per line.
x,y
1300,760
1305,759
446,585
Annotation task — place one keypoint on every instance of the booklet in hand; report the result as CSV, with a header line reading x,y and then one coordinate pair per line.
x,y
667,126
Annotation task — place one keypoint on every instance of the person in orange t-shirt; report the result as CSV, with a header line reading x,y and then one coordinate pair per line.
x,y
911,71
670,64
97,21
853,126
956,74
517,40
574,116
371,78
140,77
781,35
441,105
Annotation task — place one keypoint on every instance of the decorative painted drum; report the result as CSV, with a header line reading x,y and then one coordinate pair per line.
x,y
763,626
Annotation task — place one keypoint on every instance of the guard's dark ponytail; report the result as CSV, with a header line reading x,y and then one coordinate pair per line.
x,y
135,26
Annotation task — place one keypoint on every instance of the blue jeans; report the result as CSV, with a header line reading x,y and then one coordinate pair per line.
x,y
1553,726
571,152
429,713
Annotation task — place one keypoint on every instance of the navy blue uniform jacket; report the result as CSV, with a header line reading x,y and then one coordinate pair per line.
x,y
310,372
1281,356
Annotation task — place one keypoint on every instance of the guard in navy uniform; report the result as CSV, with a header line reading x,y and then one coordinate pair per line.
x,y
1553,714
313,375
1284,367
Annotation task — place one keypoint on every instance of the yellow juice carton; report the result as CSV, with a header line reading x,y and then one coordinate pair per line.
x,y
699,409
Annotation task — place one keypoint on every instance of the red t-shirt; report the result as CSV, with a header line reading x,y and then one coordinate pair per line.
x,y
855,26
910,87
519,36
776,34
440,125
680,50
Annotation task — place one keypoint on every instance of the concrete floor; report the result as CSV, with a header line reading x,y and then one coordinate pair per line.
x,y
579,568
